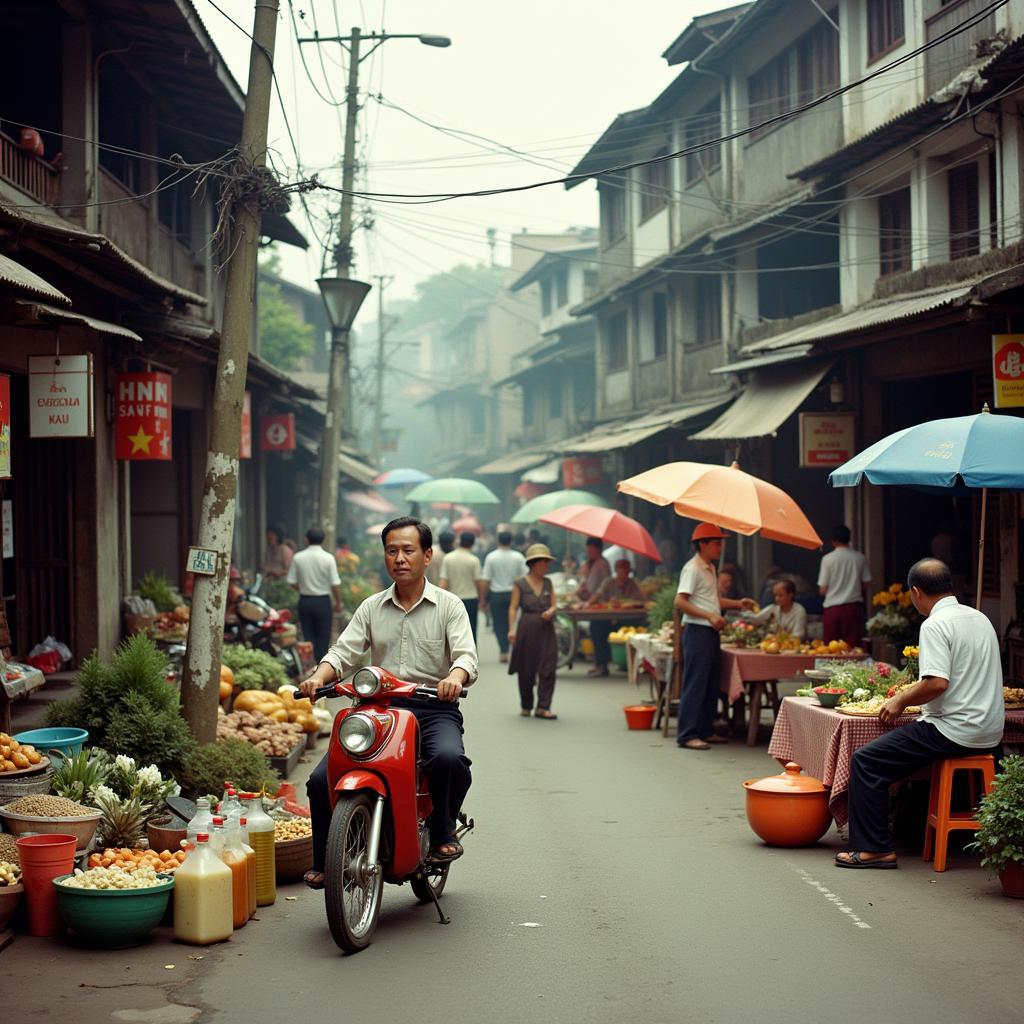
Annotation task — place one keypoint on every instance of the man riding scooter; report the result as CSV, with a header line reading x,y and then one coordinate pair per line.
x,y
421,634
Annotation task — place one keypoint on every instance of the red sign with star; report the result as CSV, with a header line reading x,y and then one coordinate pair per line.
x,y
142,420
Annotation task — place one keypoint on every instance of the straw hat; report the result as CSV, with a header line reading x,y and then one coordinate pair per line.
x,y
535,551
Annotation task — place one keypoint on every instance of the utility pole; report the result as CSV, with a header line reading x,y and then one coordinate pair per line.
x,y
378,409
200,686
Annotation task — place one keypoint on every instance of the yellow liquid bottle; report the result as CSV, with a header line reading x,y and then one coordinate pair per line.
x,y
260,827
202,896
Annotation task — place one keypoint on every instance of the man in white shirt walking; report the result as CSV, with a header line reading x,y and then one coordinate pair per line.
x,y
314,574
502,567
961,695
460,573
842,581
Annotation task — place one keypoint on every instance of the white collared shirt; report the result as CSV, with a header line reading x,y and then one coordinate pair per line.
x,y
315,571
843,573
958,643
699,580
421,645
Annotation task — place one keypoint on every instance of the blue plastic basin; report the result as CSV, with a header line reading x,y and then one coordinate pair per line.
x,y
68,741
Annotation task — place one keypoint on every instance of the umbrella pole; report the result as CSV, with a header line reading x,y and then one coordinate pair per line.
x,y
981,547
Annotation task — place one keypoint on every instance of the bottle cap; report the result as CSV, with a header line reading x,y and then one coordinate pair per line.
x,y
241,821
232,792
202,837
217,820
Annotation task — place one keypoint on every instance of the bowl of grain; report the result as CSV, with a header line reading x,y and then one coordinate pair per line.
x,y
51,814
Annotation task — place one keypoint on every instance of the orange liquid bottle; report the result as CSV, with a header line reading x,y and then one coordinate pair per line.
x,y
234,856
250,860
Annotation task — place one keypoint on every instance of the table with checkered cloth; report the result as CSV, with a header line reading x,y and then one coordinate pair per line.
x,y
750,665
822,741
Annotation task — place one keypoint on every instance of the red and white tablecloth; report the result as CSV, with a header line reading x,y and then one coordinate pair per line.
x,y
822,741
741,666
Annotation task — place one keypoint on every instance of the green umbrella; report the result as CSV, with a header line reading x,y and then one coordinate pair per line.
x,y
545,503
455,491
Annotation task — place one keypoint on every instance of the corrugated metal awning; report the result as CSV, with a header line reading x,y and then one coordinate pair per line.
x,y
629,432
356,469
771,359
21,279
516,462
67,316
769,399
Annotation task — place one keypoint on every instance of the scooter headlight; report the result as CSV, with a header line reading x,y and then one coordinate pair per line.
x,y
365,683
357,734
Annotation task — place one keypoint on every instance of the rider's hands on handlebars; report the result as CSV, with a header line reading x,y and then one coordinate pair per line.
x,y
449,689
321,676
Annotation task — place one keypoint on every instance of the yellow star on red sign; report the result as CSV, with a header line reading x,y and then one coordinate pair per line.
x,y
140,440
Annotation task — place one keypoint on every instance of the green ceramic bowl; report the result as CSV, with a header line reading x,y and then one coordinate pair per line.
x,y
829,700
113,917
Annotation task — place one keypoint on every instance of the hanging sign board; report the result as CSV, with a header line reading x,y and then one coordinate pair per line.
x,y
826,439
202,561
60,396
142,416
245,444
5,427
581,471
277,433
7,529
1008,370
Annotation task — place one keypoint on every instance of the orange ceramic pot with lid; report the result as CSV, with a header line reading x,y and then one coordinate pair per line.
x,y
790,809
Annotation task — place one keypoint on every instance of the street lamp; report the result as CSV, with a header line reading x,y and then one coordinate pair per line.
x,y
342,298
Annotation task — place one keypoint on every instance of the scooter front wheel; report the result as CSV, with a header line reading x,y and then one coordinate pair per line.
x,y
352,885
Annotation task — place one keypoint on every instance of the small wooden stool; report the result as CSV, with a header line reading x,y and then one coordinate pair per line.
x,y
941,818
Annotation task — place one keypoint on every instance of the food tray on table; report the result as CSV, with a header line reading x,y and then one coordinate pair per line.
x,y
14,785
286,765
1014,707
44,762
872,712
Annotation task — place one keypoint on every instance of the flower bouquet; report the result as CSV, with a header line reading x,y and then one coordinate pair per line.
x,y
895,618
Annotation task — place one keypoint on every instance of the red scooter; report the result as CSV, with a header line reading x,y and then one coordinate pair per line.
x,y
381,805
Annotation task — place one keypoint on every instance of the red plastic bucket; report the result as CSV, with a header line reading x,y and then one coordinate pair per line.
x,y
640,716
44,858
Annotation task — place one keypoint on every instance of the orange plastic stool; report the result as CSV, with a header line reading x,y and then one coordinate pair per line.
x,y
941,818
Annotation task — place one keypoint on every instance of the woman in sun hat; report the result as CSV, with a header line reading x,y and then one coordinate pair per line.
x,y
534,646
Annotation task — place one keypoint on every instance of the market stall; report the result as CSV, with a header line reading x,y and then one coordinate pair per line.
x,y
19,681
572,617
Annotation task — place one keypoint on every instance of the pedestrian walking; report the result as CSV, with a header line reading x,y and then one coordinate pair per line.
x,y
460,573
278,556
842,581
445,543
314,574
502,567
534,645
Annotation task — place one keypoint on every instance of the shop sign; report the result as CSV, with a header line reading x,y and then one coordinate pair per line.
x,y
277,433
581,471
5,427
826,439
60,396
202,561
1008,370
245,444
7,529
142,416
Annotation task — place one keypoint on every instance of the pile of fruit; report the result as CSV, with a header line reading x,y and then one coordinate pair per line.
x,y
15,756
113,878
620,636
742,634
171,626
820,649
10,874
292,828
282,706
776,643
1013,696
135,860
272,736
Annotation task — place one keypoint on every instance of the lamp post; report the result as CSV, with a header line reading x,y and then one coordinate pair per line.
x,y
339,369
342,297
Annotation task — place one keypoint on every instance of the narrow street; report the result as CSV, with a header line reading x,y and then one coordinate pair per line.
x,y
611,877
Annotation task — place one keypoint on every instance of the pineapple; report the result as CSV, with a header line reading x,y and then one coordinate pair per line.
x,y
123,822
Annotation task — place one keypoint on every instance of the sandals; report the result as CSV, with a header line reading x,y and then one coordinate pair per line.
x,y
438,856
855,860
314,879
694,745
545,713
525,712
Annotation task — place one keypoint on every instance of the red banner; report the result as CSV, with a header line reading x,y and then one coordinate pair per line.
x,y
245,445
5,427
142,419
581,471
277,433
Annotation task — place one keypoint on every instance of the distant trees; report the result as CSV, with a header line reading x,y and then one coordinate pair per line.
x,y
285,338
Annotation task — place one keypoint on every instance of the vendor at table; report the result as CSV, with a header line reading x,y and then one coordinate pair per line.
x,y
620,587
698,599
784,615
961,694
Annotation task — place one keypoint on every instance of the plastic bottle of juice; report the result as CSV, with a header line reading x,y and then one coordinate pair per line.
x,y
217,834
230,805
228,786
234,856
260,827
250,862
200,822
202,896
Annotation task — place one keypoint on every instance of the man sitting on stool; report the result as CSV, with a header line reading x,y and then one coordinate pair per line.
x,y
961,692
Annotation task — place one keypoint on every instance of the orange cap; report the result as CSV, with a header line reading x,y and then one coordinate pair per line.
x,y
707,531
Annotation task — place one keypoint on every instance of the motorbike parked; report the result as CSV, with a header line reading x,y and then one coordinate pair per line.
x,y
266,629
381,803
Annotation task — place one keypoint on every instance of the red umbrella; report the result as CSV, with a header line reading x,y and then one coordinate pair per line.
x,y
606,523
468,524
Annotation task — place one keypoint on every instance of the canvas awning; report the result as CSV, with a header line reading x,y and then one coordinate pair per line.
x,y
548,473
359,471
769,399
625,433
515,462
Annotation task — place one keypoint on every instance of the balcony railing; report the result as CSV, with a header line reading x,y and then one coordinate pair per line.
x,y
945,61
28,173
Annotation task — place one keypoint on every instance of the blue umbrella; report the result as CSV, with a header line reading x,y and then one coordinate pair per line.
x,y
979,451
401,478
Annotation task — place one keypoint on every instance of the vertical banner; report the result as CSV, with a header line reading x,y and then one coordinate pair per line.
x,y
581,471
60,396
5,427
142,417
277,433
245,443
1008,370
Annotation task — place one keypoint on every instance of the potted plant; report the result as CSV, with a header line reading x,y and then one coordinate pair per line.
x,y
1000,835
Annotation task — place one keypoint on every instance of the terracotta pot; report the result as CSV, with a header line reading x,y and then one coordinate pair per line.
x,y
163,838
1011,878
788,809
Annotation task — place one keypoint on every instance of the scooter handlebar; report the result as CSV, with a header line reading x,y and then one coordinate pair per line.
x,y
331,690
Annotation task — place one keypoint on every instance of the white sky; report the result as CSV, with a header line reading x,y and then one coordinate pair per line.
x,y
546,76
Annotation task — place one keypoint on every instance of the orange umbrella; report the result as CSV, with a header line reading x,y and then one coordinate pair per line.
x,y
726,496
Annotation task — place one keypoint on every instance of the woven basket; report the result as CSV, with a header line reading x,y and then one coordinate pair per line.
x,y
26,785
293,858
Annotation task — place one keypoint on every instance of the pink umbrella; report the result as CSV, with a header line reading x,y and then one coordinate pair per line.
x,y
528,491
369,502
468,524
606,523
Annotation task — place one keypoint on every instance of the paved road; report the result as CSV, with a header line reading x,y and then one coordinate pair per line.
x,y
612,877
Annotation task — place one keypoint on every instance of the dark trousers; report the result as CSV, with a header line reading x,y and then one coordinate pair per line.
x,y
844,622
698,699
545,689
599,632
499,618
444,762
472,605
890,758
315,619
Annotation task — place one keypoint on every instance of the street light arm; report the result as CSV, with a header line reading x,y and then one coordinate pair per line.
x,y
379,38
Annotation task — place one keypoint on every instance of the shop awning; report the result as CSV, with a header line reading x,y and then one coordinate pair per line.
x,y
787,355
516,462
629,432
549,473
359,471
22,280
66,316
769,399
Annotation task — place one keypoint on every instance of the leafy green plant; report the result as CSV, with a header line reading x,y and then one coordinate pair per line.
x,y
661,608
78,776
1000,837
159,590
150,735
280,594
254,670
207,767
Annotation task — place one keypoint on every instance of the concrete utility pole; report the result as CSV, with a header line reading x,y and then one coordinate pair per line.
x,y
200,686
378,408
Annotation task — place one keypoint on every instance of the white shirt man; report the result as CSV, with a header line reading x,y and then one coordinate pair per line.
x,y
842,579
314,574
